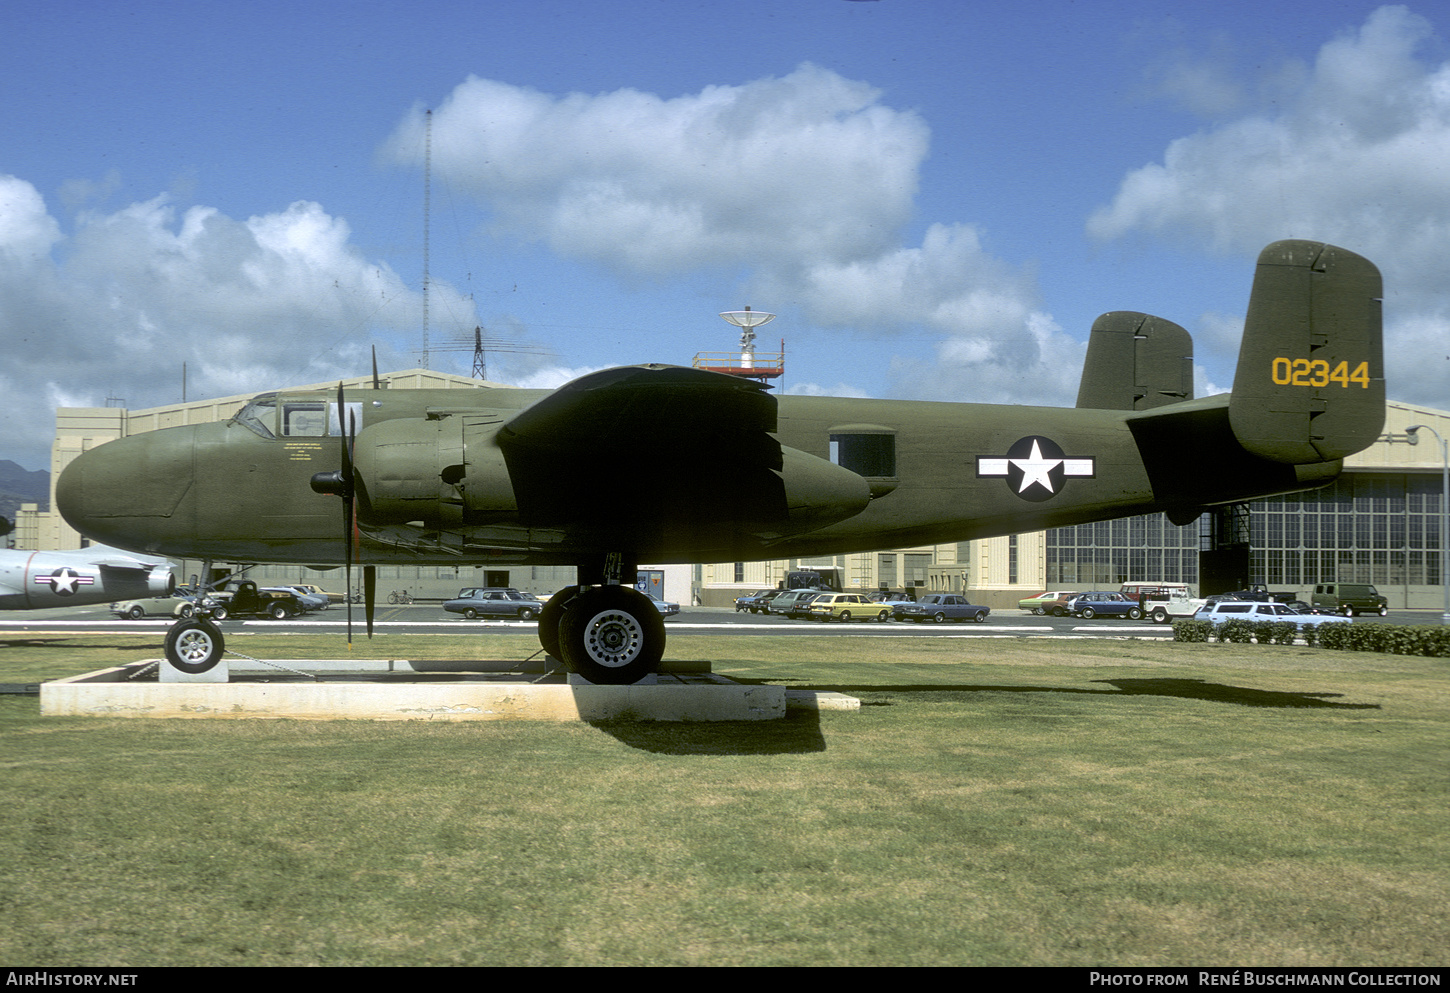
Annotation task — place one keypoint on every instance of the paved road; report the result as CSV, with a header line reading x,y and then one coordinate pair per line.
x,y
423,619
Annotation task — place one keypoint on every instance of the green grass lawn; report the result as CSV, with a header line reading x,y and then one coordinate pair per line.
x,y
994,801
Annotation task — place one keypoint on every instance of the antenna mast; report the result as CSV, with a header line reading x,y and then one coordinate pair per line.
x,y
427,210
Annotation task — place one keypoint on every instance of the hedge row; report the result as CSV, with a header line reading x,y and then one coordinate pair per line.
x,y
1390,639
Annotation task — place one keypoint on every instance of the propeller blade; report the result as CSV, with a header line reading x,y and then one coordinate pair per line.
x,y
377,385
345,430
370,589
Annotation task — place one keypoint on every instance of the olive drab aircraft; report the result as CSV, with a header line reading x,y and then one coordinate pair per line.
x,y
664,464
35,580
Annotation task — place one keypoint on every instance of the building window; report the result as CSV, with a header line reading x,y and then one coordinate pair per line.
x,y
886,570
1106,554
918,566
739,572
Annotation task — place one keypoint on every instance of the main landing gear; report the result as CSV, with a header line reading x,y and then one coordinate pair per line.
x,y
608,634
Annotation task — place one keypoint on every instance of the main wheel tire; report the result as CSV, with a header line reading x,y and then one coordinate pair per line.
x,y
550,617
194,646
612,635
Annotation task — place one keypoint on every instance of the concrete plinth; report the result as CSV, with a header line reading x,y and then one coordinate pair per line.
x,y
395,690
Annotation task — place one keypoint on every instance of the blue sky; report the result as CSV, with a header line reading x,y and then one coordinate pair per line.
x,y
936,198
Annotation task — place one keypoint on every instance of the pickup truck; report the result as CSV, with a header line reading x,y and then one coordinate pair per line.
x,y
245,600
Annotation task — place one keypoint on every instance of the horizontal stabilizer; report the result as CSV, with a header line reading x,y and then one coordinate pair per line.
x,y
1310,382
1136,362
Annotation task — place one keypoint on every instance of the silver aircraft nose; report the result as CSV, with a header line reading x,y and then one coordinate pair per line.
x,y
129,492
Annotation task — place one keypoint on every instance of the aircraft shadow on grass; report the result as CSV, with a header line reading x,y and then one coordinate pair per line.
x,y
799,732
1186,689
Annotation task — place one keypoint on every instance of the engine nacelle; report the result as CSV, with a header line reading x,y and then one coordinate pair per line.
x,y
445,472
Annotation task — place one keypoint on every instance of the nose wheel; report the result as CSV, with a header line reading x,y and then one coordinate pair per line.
x,y
194,645
607,634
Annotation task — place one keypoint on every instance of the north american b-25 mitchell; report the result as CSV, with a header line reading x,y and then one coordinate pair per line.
x,y
665,464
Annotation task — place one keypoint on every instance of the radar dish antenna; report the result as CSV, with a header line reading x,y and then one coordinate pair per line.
x,y
747,320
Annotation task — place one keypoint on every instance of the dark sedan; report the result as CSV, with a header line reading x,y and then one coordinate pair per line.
x,y
940,608
495,603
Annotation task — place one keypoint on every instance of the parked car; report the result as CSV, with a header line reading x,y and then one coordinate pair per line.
x,y
309,601
754,602
940,607
176,605
846,607
1044,603
319,591
474,602
1349,599
1104,603
665,607
1255,610
788,601
244,599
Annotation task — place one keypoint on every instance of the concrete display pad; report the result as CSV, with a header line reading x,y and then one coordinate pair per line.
x,y
350,689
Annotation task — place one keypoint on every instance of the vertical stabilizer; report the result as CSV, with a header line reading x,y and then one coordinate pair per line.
x,y
1310,384
1136,362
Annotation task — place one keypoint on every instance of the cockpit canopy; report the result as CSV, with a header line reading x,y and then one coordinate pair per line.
x,y
300,415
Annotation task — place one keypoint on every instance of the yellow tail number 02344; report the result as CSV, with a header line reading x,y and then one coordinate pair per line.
x,y
1316,372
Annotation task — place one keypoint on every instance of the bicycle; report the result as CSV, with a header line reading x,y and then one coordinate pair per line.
x,y
400,596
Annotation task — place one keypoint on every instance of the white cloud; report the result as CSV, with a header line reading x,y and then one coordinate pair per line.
x,y
801,166
1355,154
117,307
806,182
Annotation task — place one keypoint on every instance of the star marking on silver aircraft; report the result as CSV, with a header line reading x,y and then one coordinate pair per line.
x,y
63,581
1036,468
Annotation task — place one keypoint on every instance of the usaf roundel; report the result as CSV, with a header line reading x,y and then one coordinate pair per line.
x,y
1035,468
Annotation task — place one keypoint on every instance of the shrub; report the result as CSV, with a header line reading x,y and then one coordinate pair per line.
x,y
1191,630
1237,631
1282,632
1397,639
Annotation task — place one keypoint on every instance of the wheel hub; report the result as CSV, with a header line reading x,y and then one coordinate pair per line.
x,y
193,646
613,638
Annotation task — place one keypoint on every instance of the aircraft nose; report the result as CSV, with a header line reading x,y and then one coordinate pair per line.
x,y
127,492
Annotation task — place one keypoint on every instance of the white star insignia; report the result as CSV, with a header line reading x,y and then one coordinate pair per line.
x,y
1035,469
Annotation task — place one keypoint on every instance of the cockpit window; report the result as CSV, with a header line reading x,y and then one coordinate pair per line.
x,y
260,415
304,419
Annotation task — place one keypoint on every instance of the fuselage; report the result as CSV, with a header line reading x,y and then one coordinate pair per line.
x,y
935,471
